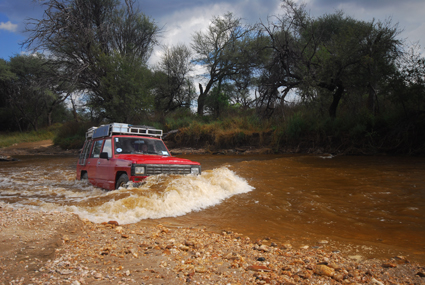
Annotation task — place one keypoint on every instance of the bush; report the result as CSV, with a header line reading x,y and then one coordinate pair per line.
x,y
72,135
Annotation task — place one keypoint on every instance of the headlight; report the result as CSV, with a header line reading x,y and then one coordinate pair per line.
x,y
139,170
194,170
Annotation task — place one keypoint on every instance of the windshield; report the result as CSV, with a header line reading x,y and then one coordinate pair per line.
x,y
139,146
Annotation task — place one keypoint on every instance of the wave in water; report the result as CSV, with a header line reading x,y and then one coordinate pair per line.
x,y
161,196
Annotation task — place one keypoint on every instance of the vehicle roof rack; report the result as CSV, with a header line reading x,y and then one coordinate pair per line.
x,y
122,129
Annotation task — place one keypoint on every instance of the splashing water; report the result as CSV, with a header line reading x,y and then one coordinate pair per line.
x,y
160,196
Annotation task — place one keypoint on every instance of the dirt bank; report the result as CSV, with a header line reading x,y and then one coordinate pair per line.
x,y
44,147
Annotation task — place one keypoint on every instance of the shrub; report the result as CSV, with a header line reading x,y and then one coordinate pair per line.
x,y
72,135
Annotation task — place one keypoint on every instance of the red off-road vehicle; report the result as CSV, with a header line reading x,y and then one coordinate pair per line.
x,y
116,153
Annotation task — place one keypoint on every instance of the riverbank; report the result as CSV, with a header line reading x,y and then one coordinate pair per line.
x,y
59,248
46,147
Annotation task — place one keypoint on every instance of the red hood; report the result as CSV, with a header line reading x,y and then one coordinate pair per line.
x,y
155,159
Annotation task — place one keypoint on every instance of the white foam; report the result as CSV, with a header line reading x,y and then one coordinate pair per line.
x,y
163,196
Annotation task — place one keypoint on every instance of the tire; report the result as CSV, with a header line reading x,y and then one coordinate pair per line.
x,y
84,176
121,181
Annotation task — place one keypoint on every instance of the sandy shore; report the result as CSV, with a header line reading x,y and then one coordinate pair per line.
x,y
59,248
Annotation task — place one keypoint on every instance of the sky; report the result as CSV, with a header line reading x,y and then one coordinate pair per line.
x,y
181,18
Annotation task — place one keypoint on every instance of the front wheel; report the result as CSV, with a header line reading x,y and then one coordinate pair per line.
x,y
121,181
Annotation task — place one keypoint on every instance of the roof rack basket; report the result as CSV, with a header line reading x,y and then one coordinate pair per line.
x,y
122,129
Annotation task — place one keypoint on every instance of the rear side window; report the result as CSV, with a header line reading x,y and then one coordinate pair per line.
x,y
96,148
85,153
107,147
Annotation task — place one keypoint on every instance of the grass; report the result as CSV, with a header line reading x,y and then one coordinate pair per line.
x,y
8,139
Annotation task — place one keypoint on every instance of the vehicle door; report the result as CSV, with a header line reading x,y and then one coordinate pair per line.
x,y
105,170
93,160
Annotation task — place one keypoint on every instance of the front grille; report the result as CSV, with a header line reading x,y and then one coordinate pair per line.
x,y
153,169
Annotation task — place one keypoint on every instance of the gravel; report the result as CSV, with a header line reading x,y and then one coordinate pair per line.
x,y
60,248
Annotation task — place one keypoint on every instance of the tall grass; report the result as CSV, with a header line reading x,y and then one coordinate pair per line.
x,y
8,139
227,132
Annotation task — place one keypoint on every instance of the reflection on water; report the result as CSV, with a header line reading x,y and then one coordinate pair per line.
x,y
373,206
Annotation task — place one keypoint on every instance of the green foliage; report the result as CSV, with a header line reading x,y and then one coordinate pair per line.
x,y
179,119
29,97
123,94
217,101
72,134
296,127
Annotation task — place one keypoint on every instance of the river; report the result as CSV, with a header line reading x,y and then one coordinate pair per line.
x,y
363,206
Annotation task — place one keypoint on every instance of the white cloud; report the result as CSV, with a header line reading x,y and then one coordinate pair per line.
x,y
8,26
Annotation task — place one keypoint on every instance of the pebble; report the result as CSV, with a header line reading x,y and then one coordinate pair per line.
x,y
324,270
98,275
374,281
200,269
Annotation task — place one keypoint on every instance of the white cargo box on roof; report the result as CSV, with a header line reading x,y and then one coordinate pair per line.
x,y
90,131
122,129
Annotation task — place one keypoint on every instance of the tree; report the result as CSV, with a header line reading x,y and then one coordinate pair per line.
x,y
218,101
30,90
407,85
176,89
124,93
224,50
333,54
6,114
82,35
25,92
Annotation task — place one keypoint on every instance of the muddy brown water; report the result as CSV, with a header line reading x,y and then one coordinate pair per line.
x,y
365,207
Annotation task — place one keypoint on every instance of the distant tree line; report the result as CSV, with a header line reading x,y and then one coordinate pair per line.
x,y
89,62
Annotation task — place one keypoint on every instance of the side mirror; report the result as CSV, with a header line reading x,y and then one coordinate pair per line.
x,y
104,155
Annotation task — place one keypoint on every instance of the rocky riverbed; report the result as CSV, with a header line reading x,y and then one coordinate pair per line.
x,y
59,248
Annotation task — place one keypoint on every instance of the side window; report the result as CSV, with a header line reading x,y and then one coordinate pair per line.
x,y
96,148
107,147
85,153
